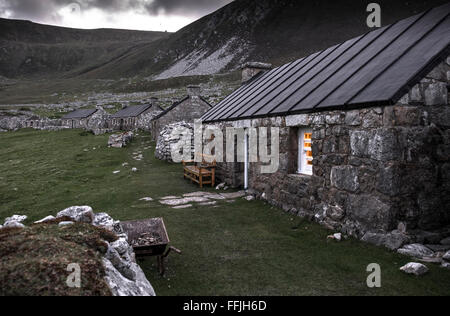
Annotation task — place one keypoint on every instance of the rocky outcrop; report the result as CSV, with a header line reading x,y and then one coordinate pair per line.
x,y
174,134
120,140
123,275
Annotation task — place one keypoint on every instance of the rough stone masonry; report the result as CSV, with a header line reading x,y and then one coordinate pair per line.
x,y
381,173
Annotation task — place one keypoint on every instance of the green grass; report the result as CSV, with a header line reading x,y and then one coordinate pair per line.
x,y
241,248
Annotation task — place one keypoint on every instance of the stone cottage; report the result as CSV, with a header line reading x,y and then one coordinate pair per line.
x,y
82,118
192,107
135,117
364,132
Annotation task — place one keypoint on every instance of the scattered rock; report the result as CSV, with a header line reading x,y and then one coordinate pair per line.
x,y
250,198
121,286
446,257
170,197
416,250
195,194
120,140
182,206
104,220
183,201
438,248
234,195
208,203
15,218
214,196
46,219
134,170
445,265
83,214
220,186
393,240
14,225
414,268
337,237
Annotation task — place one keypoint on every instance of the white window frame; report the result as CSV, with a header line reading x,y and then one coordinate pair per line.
x,y
303,166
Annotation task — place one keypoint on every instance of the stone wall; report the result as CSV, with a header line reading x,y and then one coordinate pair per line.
x,y
379,170
169,137
134,123
188,110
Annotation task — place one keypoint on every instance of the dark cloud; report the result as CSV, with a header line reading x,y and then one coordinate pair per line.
x,y
186,7
46,10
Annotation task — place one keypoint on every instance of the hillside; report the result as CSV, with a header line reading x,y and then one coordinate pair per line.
x,y
275,31
29,49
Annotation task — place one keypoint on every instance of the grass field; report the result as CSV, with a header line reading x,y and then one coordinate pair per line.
x,y
240,248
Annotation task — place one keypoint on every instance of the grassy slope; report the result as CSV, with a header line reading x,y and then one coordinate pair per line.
x,y
48,251
245,248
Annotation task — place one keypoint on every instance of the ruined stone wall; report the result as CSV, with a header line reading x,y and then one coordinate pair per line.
x,y
188,111
375,169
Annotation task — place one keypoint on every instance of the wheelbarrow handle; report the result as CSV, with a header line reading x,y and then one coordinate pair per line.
x,y
178,251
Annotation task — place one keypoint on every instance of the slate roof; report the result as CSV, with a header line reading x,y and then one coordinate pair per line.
x,y
79,114
377,68
132,111
174,105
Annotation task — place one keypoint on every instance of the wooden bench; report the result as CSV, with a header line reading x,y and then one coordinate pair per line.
x,y
203,172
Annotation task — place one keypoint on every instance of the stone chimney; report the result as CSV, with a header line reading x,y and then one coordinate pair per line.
x,y
193,91
251,69
154,101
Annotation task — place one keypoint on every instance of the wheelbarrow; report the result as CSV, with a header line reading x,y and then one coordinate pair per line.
x,y
149,238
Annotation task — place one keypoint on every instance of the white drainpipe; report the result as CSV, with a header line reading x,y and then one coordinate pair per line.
x,y
246,161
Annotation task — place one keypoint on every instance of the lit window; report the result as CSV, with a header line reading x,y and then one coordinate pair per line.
x,y
305,157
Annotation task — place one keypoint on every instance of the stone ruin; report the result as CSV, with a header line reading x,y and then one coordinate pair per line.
x,y
171,135
120,140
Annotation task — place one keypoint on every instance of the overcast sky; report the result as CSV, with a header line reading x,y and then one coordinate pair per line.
x,y
151,15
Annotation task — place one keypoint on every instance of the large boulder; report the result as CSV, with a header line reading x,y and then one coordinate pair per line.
x,y
15,218
416,251
446,257
121,286
15,221
104,220
414,268
83,214
393,240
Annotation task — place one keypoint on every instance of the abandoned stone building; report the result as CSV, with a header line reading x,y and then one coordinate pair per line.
x,y
364,132
135,117
84,118
192,107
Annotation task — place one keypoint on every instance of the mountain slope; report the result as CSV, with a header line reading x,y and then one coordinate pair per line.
x,y
36,50
275,31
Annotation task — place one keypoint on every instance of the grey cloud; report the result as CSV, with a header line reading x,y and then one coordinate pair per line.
x,y
186,7
46,10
